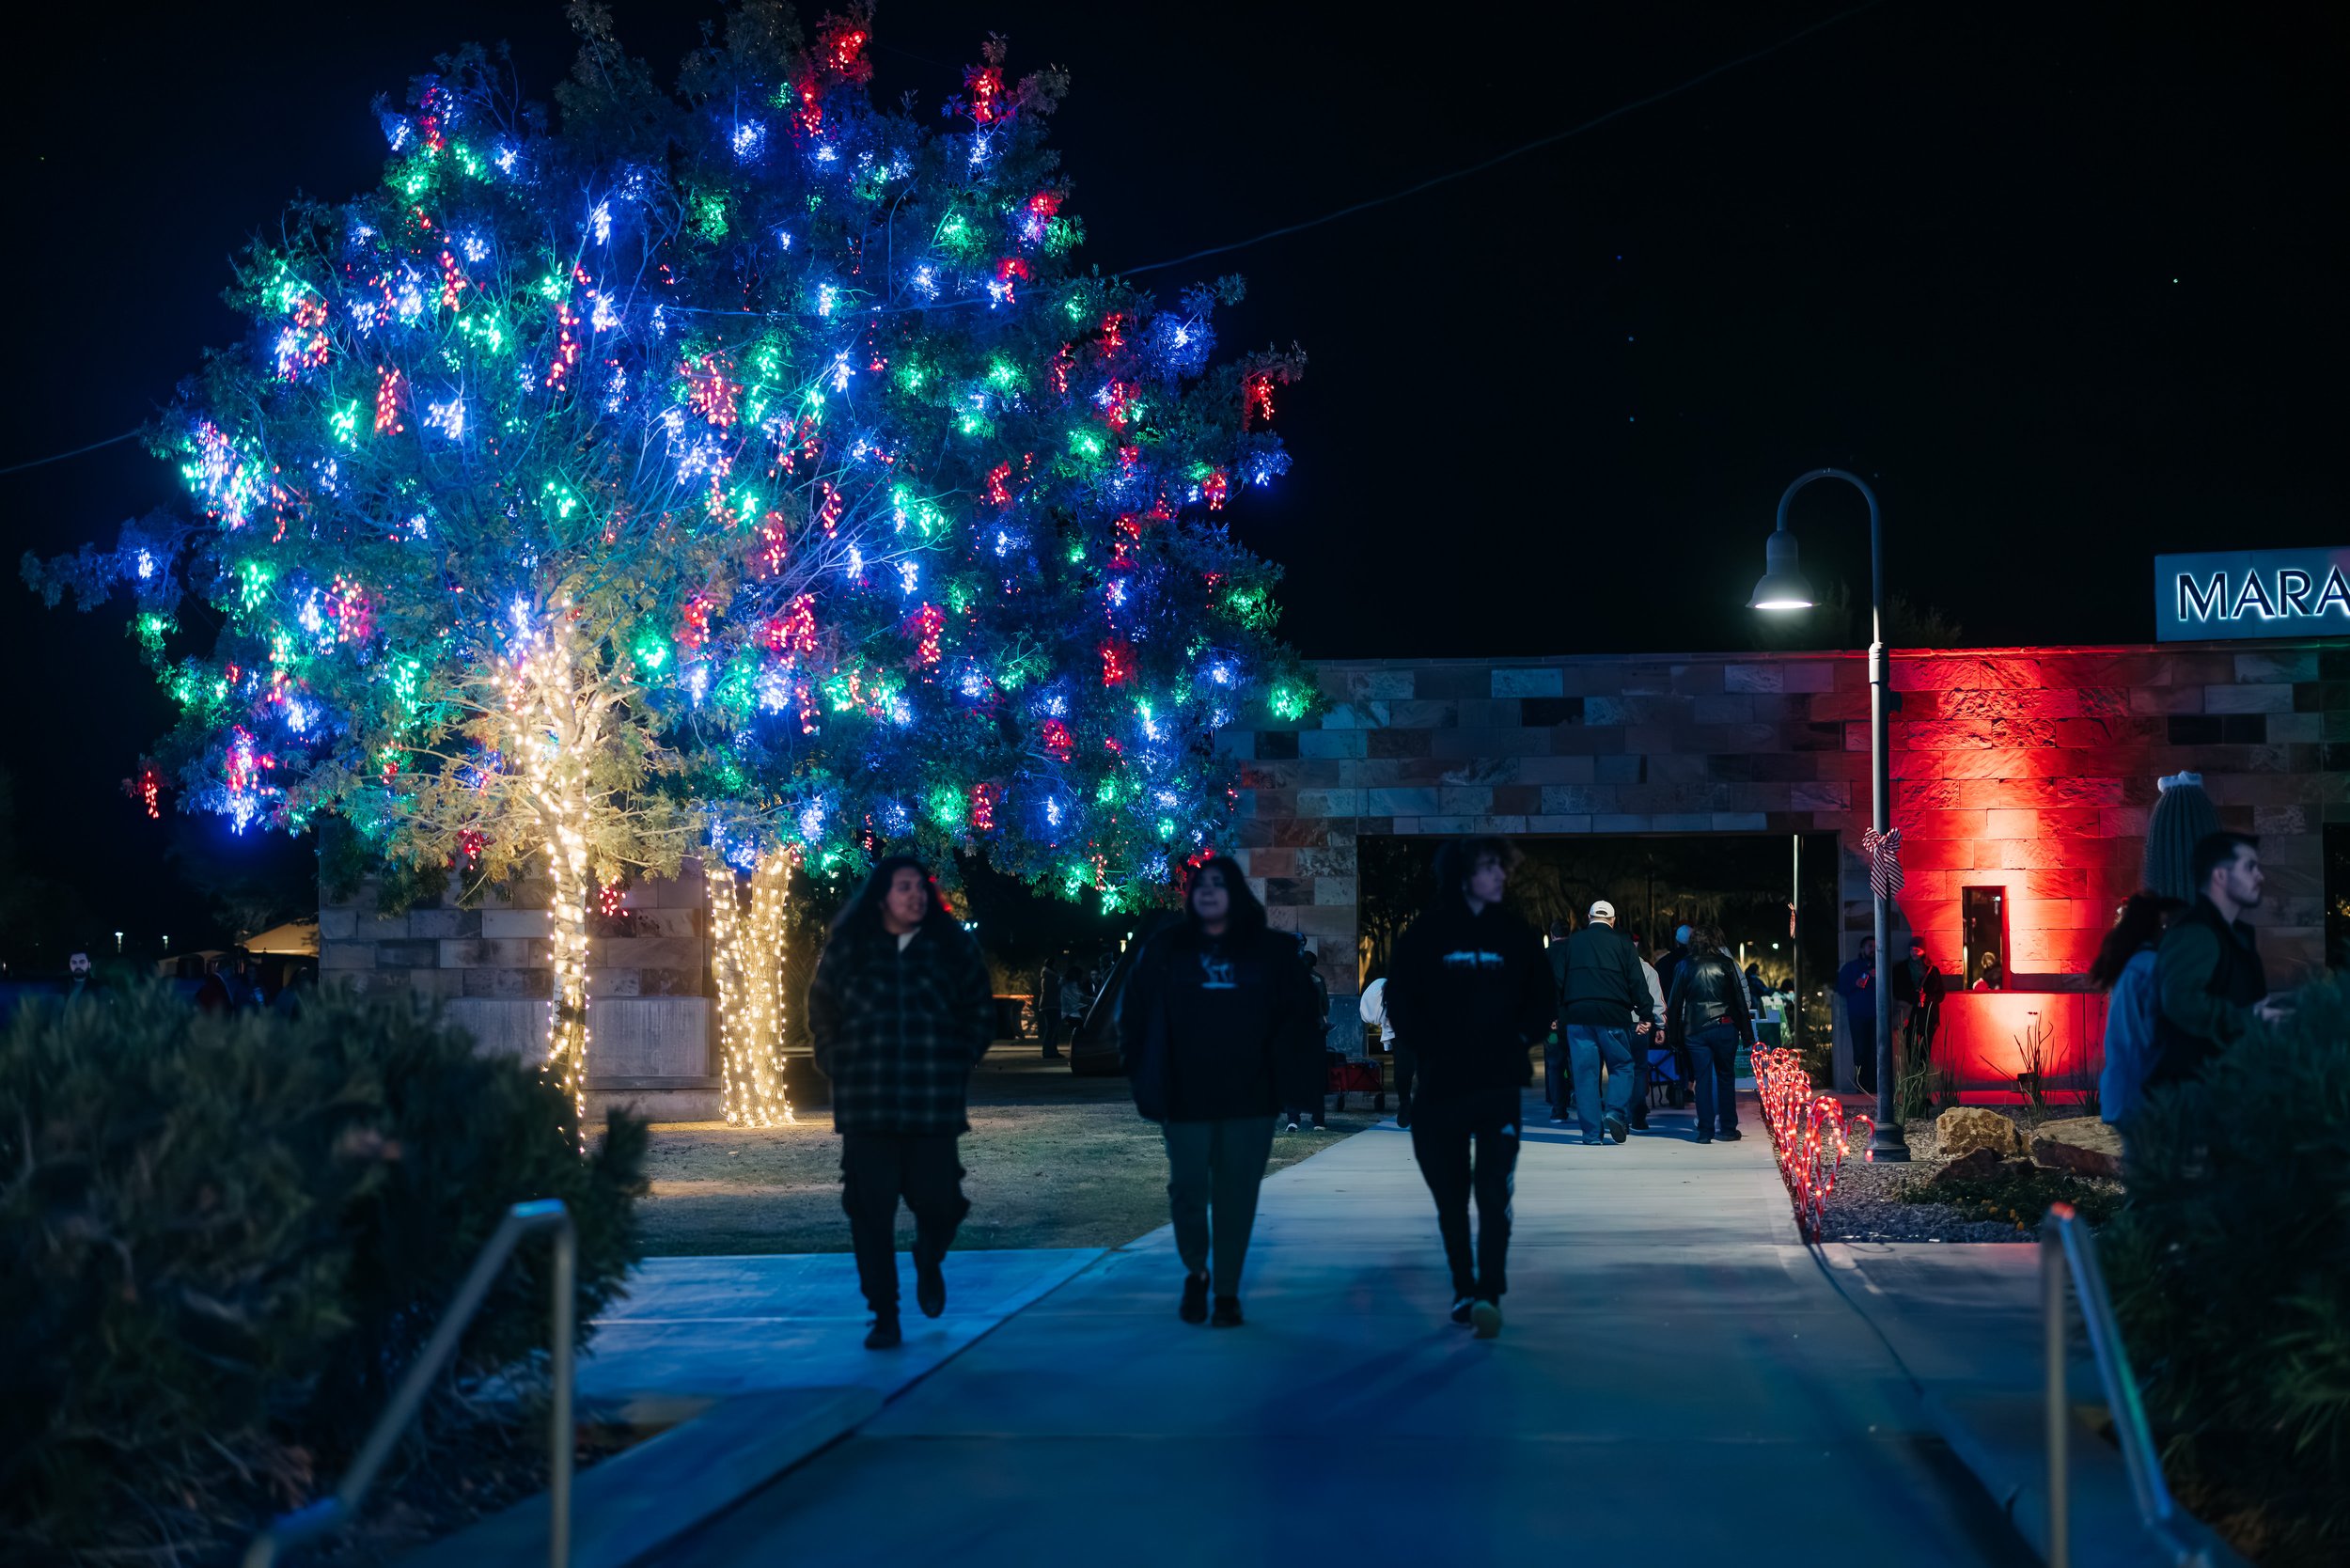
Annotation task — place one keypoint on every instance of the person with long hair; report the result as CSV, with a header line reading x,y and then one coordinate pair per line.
x,y
1471,993
1219,1033
2124,969
1706,1020
902,1010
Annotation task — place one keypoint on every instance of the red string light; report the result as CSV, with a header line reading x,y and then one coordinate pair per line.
x,y
1810,1132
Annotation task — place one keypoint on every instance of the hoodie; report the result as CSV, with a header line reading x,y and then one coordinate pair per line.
x,y
1213,1028
1468,993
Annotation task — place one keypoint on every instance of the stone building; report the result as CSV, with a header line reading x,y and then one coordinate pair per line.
x,y
2025,773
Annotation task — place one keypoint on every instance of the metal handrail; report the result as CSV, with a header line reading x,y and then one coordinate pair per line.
x,y
2067,1248
332,1513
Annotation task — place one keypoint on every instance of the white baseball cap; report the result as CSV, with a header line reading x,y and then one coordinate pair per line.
x,y
1602,910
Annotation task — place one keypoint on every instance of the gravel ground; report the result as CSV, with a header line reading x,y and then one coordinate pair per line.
x,y
1867,1206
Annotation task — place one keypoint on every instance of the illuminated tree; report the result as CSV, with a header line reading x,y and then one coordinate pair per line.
x,y
741,464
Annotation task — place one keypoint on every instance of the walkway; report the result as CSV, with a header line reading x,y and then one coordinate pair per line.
x,y
1678,1379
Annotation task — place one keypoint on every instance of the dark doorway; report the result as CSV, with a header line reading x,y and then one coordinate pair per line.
x,y
1741,883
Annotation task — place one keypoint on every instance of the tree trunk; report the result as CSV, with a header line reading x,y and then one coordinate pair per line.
x,y
747,959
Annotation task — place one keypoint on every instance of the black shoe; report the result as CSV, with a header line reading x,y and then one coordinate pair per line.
x,y
1730,1135
1227,1312
1614,1127
1462,1308
1639,1118
1705,1137
1052,1056
1485,1317
884,1335
1402,1122
1194,1307
930,1286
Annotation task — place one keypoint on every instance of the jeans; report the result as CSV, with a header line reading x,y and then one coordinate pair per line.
x,y
1713,1077
1587,1045
1465,1147
1213,1168
1863,1021
1557,1078
878,1169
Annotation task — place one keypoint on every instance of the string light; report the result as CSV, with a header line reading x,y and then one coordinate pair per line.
x,y
1810,1132
746,956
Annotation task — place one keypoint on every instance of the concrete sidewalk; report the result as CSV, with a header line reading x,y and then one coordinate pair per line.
x,y
695,1328
1678,1379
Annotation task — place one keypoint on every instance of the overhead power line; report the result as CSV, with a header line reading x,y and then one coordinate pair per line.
x,y
1518,151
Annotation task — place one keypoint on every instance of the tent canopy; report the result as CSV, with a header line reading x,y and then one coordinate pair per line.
x,y
294,939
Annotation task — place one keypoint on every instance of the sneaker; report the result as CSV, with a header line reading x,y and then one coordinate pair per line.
x,y
1462,1308
1557,1120
1402,1122
930,1286
1594,1140
1290,1128
1226,1313
1639,1118
1705,1137
884,1334
1615,1128
1485,1317
1194,1307
1730,1135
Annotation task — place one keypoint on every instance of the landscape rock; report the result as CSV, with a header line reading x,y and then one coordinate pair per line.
x,y
1973,1166
1965,1129
2083,1145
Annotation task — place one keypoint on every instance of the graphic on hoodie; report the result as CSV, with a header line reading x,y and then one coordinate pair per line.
x,y
1215,973
1478,959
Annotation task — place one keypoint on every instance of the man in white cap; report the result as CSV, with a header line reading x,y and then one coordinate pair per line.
x,y
1603,1000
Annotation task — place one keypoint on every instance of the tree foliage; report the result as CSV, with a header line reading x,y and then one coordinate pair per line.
x,y
736,459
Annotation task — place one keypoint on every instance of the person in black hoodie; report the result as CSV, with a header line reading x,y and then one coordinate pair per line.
x,y
1470,992
1218,1030
900,1011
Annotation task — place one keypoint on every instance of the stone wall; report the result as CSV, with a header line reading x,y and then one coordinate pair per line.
x,y
2032,770
650,1018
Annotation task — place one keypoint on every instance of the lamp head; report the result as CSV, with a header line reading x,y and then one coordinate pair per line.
x,y
1783,586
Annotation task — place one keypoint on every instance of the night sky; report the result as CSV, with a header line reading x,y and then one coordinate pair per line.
x,y
2065,282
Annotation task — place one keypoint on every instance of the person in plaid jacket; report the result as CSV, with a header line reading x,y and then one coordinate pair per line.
x,y
902,1010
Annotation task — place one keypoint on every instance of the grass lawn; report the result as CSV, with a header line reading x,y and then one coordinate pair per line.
x,y
1054,1161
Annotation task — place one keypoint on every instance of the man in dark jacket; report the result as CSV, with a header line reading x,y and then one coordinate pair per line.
x,y
1602,1000
901,1010
1708,1013
1048,1006
2209,981
1469,990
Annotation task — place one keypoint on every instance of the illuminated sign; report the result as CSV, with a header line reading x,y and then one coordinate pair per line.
x,y
2253,593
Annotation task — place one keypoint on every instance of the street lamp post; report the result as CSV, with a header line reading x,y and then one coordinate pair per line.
x,y
1784,587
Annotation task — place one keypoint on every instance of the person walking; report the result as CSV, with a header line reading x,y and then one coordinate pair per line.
x,y
1603,1002
1557,1077
1373,1009
1469,992
1048,989
1708,1014
900,1011
1217,1030
2209,981
2125,970
1644,1068
1855,982
1075,996
1308,1110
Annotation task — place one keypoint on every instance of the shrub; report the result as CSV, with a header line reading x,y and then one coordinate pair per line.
x,y
2231,1274
2019,1196
221,1237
